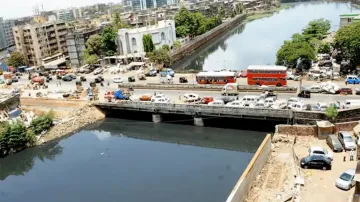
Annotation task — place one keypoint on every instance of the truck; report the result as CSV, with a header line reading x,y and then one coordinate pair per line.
x,y
37,79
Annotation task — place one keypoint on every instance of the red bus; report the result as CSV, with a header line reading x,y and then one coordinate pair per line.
x,y
216,77
266,75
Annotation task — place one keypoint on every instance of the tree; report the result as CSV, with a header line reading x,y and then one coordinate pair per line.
x,y
221,12
347,43
14,135
239,8
16,59
324,48
331,112
117,23
166,47
93,45
182,31
290,52
89,59
160,56
108,38
199,26
148,43
317,28
177,44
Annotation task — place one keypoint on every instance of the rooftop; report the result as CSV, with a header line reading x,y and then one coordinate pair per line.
x,y
349,15
266,67
160,24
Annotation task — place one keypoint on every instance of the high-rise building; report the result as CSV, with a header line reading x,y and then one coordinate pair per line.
x,y
65,15
6,35
39,41
139,5
77,13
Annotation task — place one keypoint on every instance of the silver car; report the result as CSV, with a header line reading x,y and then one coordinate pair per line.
x,y
346,179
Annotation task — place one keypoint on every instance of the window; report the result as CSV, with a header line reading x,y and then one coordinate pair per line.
x,y
133,42
264,79
162,36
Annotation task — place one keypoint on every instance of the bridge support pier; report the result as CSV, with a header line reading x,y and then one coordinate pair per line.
x,y
198,121
156,118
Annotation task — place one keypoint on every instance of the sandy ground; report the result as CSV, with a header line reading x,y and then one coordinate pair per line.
x,y
276,180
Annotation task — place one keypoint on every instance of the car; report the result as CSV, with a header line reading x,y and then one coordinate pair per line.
x,y
236,103
217,103
158,96
99,79
357,91
207,99
98,71
117,80
259,104
334,143
279,104
316,150
315,89
316,161
298,106
347,140
293,100
66,78
322,105
314,108
226,99
14,79
269,101
352,79
191,97
344,91
346,179
72,76
146,97
160,100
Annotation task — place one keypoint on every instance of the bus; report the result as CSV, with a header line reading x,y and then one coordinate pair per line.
x,y
216,77
266,75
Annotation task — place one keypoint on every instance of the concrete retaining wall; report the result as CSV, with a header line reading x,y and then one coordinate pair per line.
x,y
243,186
297,130
346,126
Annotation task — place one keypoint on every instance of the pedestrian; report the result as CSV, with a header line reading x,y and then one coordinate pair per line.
x,y
344,159
352,155
60,83
179,96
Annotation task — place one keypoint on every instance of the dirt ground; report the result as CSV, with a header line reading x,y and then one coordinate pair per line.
x,y
276,181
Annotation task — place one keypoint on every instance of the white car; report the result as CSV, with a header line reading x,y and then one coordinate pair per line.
x,y
217,103
236,103
117,80
259,104
315,89
269,101
314,150
279,104
293,100
158,96
322,105
298,106
160,100
346,179
98,71
191,97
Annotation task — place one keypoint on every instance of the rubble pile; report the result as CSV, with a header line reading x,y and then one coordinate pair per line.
x,y
85,115
329,87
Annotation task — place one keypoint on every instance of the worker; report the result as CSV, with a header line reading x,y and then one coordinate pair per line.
x,y
352,155
108,83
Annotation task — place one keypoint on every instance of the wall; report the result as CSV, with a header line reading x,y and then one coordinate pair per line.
x,y
297,130
347,126
243,186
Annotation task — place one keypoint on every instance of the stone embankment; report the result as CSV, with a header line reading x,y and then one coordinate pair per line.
x,y
83,116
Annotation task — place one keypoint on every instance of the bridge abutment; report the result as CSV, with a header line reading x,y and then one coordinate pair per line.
x,y
156,118
198,121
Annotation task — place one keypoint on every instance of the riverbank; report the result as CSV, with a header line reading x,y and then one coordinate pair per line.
x,y
264,13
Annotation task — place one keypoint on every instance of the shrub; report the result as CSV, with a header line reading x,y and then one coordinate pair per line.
x,y
42,123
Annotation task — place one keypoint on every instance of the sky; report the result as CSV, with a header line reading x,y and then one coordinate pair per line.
x,y
22,8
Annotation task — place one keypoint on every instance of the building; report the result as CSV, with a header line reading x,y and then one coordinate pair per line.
x,y
77,13
39,41
6,35
76,44
65,15
139,5
130,40
346,19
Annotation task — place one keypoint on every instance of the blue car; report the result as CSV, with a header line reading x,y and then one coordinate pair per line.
x,y
352,80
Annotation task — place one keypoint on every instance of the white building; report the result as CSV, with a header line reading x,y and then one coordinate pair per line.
x,y
130,40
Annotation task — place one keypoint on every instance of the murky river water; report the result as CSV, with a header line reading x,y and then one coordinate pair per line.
x,y
256,42
132,161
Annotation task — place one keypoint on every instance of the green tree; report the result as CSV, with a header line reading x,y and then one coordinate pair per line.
x,y
108,38
317,29
185,20
199,26
182,31
347,43
177,44
148,43
117,23
93,45
331,112
166,47
160,56
290,52
89,59
16,59
42,122
15,135
324,48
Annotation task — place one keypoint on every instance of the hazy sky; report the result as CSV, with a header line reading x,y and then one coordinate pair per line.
x,y
20,8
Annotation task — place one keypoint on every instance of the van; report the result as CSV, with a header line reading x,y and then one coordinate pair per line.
x,y
249,99
230,89
352,79
351,104
269,101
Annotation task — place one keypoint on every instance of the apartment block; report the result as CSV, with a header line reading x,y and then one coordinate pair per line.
x,y
39,41
6,35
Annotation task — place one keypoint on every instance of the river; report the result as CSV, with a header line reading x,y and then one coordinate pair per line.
x,y
132,161
256,42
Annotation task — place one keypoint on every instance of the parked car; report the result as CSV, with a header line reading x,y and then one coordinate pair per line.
x,y
236,103
316,150
98,71
14,79
146,97
158,96
191,97
316,161
293,100
334,143
270,101
259,104
99,79
72,76
160,100
66,78
117,80
315,89
279,104
322,106
217,103
226,99
347,140
304,93
315,108
249,99
346,179
357,91
352,79
207,99
344,91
